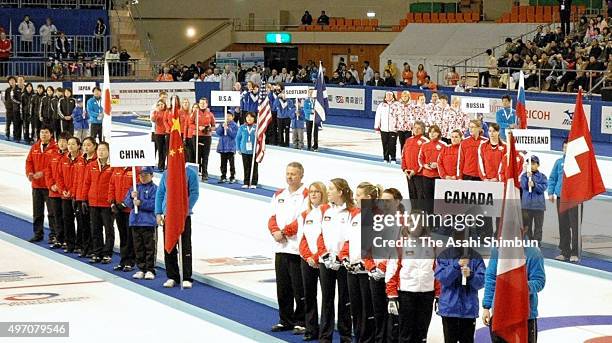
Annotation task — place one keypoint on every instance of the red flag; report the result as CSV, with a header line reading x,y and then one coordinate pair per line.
x,y
177,198
521,110
511,303
581,176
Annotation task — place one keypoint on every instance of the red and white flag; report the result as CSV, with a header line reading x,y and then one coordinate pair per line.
x,y
511,303
581,177
521,110
106,105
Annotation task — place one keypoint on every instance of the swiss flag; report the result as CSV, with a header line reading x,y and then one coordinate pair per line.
x,y
581,176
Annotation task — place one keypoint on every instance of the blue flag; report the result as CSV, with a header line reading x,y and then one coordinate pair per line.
x,y
321,105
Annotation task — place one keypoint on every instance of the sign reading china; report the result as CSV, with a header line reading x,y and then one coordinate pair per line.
x,y
346,98
532,139
83,88
296,92
475,105
468,197
131,149
224,98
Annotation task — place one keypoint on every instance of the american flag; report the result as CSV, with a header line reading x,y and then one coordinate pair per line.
x,y
264,116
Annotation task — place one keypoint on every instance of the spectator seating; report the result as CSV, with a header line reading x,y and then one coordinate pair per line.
x,y
339,24
538,14
436,18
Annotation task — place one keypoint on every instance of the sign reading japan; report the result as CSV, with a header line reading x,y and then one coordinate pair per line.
x,y
131,149
468,197
224,98
83,88
475,105
532,139
296,92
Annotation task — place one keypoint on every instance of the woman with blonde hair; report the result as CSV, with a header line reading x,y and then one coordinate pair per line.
x,y
309,229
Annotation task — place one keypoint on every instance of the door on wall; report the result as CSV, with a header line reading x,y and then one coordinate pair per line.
x,y
336,59
279,57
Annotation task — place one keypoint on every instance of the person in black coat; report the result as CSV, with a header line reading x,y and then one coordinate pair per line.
x,y
323,19
389,80
565,8
376,81
26,111
66,106
36,102
306,18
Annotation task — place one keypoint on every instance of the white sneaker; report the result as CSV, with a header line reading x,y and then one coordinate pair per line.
x,y
244,186
253,186
169,283
149,276
138,275
187,284
560,258
574,258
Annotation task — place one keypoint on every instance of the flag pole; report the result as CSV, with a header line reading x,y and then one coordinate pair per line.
x,y
180,260
134,186
197,138
254,150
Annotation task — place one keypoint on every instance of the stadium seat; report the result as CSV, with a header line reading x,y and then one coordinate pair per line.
x,y
547,10
539,10
340,21
475,17
332,21
523,11
531,18
442,17
348,22
374,22
531,10
435,18
515,10
450,17
418,17
506,17
410,17
351,28
403,22
523,18
459,18
514,18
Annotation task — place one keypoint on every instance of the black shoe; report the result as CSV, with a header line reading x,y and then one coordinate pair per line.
x,y
128,268
35,239
78,251
222,181
56,246
232,180
52,240
106,260
309,337
118,267
299,330
280,327
94,259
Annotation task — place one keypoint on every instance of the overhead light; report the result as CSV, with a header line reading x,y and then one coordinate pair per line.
x,y
371,14
190,32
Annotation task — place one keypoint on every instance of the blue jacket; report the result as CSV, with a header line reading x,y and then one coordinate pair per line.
x,y
457,300
193,189
534,200
296,123
247,103
504,118
146,194
286,111
245,136
308,110
272,99
227,138
94,108
556,178
536,279
80,123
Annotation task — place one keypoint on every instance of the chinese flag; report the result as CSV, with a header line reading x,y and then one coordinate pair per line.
x,y
177,198
581,176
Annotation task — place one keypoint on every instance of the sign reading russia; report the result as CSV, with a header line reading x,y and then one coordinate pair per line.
x,y
475,105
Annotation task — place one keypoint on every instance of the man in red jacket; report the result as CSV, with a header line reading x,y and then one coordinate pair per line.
x,y
120,184
410,164
36,164
468,152
55,192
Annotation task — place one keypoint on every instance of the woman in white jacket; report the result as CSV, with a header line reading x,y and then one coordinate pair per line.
x,y
309,230
385,122
332,246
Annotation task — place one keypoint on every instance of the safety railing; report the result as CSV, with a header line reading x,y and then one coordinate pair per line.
x,y
48,47
536,79
69,70
101,4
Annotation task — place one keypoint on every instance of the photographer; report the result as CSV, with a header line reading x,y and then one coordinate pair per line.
x,y
206,121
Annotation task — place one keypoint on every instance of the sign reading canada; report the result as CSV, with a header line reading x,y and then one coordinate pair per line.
x,y
468,197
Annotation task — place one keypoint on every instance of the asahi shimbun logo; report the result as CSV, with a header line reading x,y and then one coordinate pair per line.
x,y
25,299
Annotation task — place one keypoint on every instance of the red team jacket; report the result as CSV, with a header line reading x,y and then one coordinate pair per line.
x,y
468,156
120,183
163,122
489,158
96,184
38,160
429,153
307,251
81,168
206,118
68,176
187,124
52,174
410,155
448,161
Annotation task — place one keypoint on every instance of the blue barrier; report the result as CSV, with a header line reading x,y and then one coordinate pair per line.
x,y
69,21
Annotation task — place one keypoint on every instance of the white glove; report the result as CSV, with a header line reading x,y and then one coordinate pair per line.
x,y
376,274
357,267
334,263
347,265
393,307
324,257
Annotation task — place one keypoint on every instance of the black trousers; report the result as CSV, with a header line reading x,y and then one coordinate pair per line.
x,y
189,144
386,325
364,325
272,131
389,144
283,125
17,126
102,231
415,191
429,189
162,145
310,280
126,243
227,158
458,329
26,47
532,332
203,153
171,259
40,198
312,138
247,159
483,78
26,129
96,131
10,119
328,279
533,220
289,289
68,126
568,230
415,315
83,237
57,128
403,136
565,21
58,227
144,247
68,224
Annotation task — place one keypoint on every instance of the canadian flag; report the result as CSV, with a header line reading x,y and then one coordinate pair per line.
x,y
581,177
106,105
